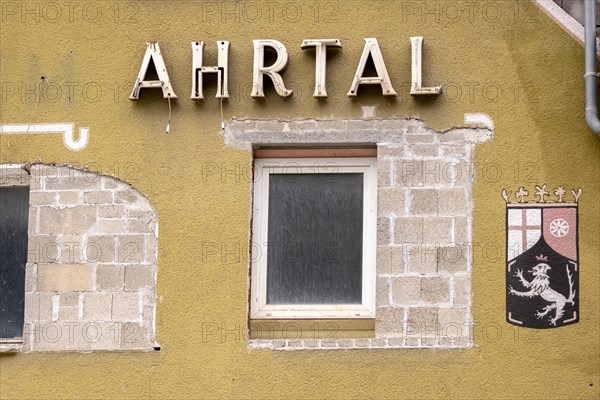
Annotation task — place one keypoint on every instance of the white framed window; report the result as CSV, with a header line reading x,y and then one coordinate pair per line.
x,y
314,235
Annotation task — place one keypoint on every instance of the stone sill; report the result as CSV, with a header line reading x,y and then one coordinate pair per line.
x,y
93,351
264,330
12,346
18,347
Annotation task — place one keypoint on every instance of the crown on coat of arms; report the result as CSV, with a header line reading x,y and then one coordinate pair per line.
x,y
541,257
541,193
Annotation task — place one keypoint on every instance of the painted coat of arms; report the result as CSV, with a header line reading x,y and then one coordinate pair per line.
x,y
542,270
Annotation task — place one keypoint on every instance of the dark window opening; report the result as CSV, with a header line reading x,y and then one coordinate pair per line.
x,y
14,214
315,231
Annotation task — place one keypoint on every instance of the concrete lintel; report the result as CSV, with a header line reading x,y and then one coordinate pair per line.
x,y
243,134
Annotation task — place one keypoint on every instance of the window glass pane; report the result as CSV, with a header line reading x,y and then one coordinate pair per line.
x,y
14,213
315,239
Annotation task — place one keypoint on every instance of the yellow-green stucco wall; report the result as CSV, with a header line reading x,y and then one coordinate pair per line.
x,y
540,136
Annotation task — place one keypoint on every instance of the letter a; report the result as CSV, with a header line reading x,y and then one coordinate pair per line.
x,y
153,53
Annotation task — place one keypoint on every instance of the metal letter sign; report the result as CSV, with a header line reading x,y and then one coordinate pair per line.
x,y
542,275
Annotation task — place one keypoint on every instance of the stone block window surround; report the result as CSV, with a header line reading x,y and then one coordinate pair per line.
x,y
90,277
423,257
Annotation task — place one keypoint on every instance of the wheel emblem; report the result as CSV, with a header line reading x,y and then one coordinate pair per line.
x,y
559,227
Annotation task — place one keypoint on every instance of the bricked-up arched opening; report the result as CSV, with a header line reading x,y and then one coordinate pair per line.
x,y
90,277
